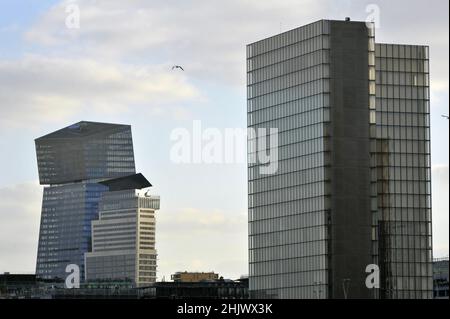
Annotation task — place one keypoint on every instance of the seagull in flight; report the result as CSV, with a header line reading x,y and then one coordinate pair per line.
x,y
178,67
446,116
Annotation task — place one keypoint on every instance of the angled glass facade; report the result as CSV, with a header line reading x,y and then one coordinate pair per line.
x,y
85,151
353,181
72,161
65,229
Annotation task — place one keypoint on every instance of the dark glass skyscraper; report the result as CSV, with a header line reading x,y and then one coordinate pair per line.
x,y
71,162
353,181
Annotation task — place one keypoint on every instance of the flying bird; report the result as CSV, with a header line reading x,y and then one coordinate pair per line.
x,y
178,67
446,116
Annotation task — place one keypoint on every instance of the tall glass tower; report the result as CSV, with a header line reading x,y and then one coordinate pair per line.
x,y
71,163
352,187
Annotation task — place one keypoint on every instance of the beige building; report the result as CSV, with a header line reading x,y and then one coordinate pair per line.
x,y
123,239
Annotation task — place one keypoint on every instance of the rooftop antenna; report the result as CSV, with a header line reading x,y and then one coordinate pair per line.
x,y
347,19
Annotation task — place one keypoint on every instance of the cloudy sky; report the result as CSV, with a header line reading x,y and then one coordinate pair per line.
x,y
117,68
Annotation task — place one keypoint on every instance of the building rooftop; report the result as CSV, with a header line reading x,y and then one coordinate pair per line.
x,y
135,181
80,130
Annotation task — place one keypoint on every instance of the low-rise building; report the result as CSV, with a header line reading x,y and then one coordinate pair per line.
x,y
440,278
194,276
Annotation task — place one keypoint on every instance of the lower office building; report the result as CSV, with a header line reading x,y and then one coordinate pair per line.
x,y
194,276
123,238
211,289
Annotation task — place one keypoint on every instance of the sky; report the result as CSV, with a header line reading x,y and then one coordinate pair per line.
x,y
116,67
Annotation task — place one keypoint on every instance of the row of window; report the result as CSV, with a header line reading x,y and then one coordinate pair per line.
x,y
288,52
290,151
98,225
290,94
285,237
291,165
289,80
408,242
295,64
407,228
288,208
295,265
147,256
402,105
409,287
402,78
401,51
420,174
402,214
147,279
147,273
302,133
97,241
147,268
403,186
392,148
303,106
289,194
119,245
383,159
149,202
286,180
388,132
408,255
411,269
296,279
292,122
291,220
405,201
402,92
312,248
147,238
287,38
402,65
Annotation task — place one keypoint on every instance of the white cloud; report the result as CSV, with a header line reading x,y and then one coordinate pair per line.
x,y
37,89
207,37
19,227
